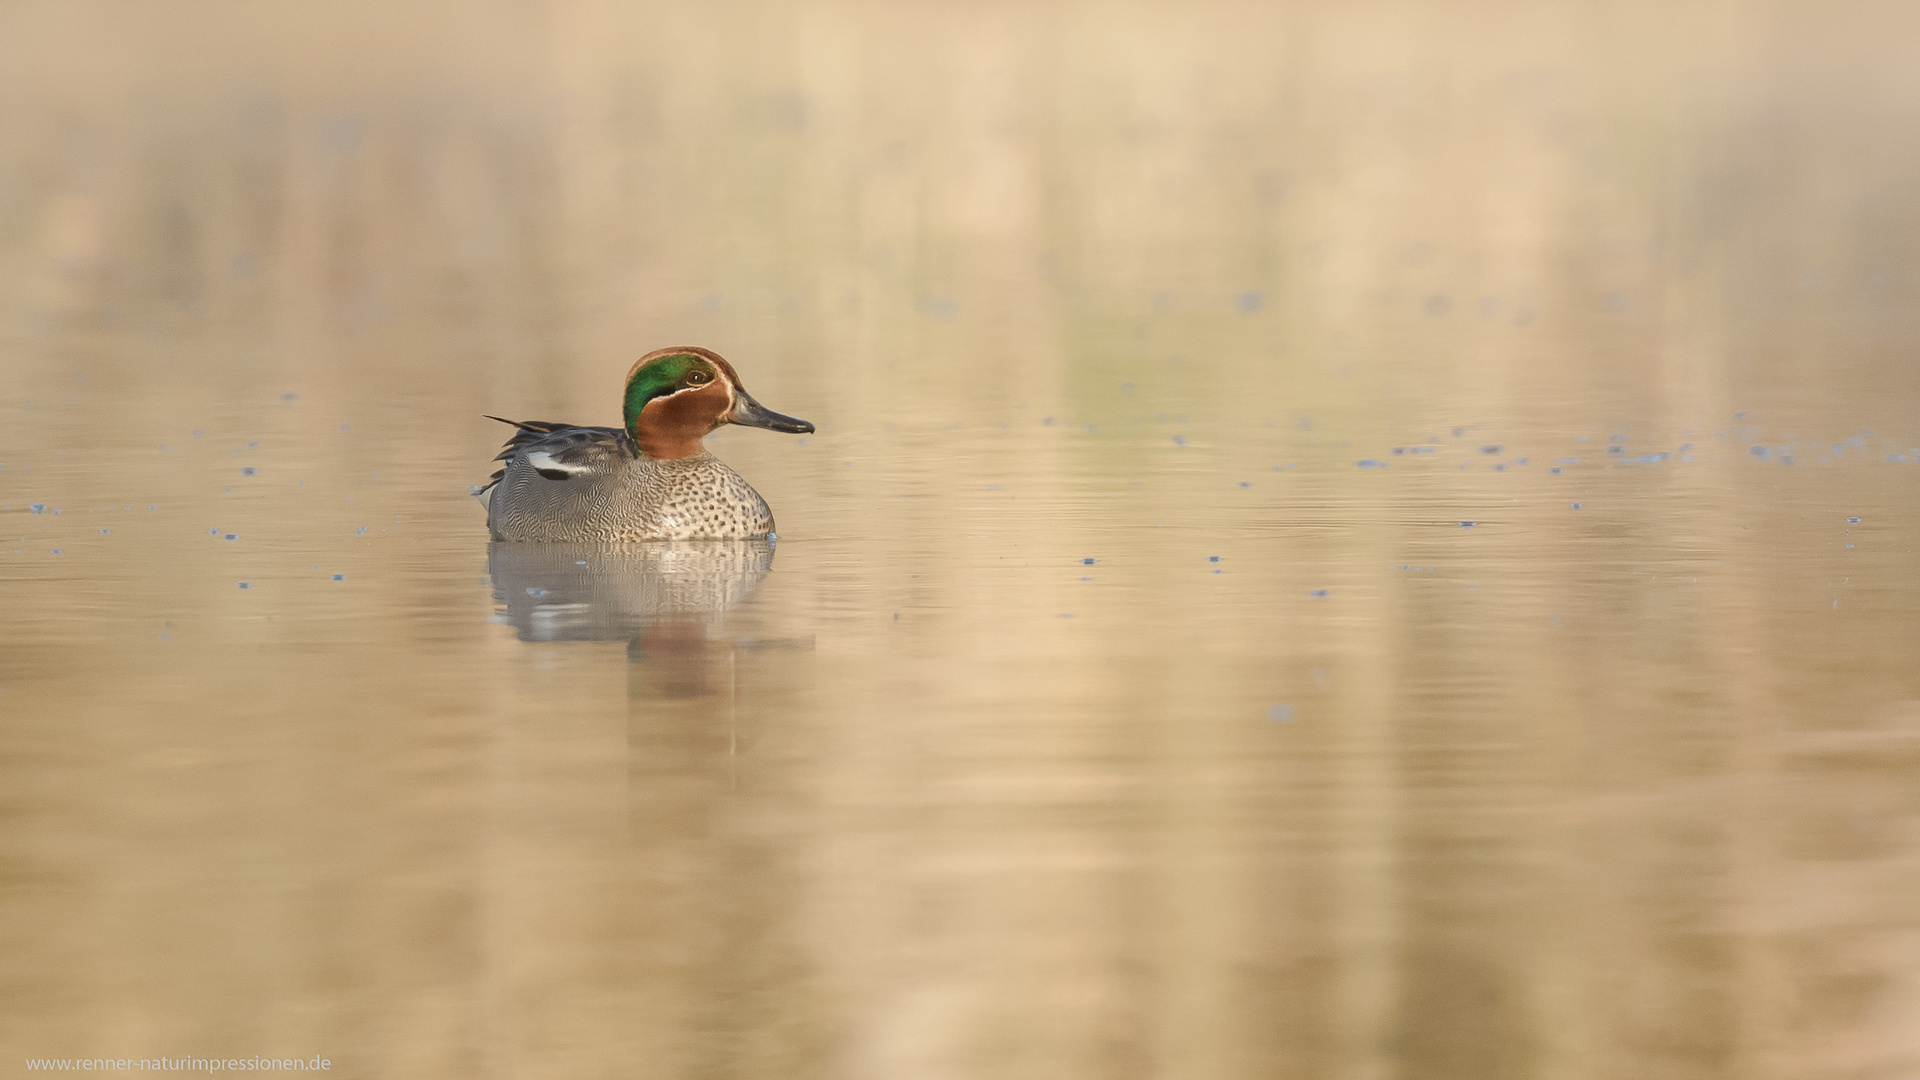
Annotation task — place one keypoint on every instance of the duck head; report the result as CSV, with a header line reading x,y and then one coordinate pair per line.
x,y
675,396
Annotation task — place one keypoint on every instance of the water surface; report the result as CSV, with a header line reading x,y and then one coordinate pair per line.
x,y
1341,543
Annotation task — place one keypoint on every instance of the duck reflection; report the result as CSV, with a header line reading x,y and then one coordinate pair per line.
x,y
668,601
704,681
593,592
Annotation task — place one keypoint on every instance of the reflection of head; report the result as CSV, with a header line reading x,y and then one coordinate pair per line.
x,y
673,658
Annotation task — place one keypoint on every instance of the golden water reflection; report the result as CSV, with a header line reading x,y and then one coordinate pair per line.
x,y
1342,542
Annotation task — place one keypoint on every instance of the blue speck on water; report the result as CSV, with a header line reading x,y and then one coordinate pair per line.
x,y
1576,506
1757,451
1179,440
536,591
253,446
56,551
231,536
110,530
1500,468
1090,562
346,427
848,464
213,532
164,637
1425,449
1320,592
994,487
249,471
1280,713
1092,428
1521,461
1066,614
1491,449
1213,558
1369,463
155,507
38,508
289,397
1090,579
800,441
1245,484
1216,571
1897,458
339,577
359,530
1566,461
1458,432
1249,302
1467,524
1554,469
1399,449
579,562
1046,421
1853,521
246,584
196,433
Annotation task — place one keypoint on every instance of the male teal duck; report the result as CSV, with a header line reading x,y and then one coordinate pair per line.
x,y
652,480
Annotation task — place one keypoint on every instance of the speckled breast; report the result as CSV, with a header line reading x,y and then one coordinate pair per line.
x,y
691,498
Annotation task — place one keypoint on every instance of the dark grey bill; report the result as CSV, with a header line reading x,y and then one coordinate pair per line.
x,y
751,413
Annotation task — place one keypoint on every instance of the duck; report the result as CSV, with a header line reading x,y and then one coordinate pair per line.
x,y
651,479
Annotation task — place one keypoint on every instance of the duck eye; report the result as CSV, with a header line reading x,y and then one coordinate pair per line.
x,y
698,377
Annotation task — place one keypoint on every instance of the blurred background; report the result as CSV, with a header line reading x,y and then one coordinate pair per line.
x,y
1344,540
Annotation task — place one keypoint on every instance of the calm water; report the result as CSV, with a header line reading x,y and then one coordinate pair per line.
x,y
1342,543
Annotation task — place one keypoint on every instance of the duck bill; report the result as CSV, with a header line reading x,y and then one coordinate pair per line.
x,y
750,413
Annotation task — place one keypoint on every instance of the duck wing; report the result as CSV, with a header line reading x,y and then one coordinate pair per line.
x,y
562,451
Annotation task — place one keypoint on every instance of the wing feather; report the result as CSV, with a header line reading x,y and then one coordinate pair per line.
x,y
561,451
